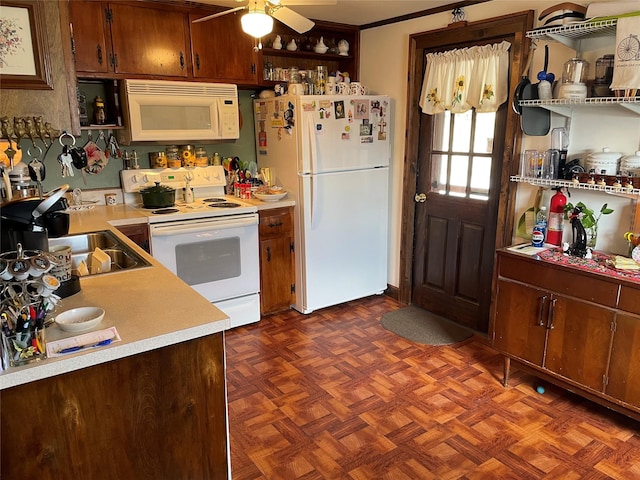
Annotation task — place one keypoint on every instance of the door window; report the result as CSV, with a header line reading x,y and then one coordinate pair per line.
x,y
461,154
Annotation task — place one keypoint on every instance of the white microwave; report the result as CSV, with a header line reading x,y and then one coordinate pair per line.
x,y
166,111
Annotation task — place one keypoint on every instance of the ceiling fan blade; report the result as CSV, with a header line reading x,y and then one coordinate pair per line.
x,y
292,19
307,2
216,15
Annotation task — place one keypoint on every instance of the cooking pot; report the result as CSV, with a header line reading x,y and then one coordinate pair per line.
x,y
158,196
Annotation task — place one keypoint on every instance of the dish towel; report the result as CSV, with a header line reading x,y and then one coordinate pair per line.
x,y
626,71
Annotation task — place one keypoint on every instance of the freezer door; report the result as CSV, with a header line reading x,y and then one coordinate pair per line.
x,y
341,251
341,133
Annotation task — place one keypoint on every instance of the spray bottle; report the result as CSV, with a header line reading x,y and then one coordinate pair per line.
x,y
556,217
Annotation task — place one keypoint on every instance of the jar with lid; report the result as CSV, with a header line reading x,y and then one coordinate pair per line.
x,y
202,160
187,155
294,75
173,157
158,159
98,111
216,160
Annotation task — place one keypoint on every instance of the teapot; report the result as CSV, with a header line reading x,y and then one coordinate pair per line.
x,y
291,46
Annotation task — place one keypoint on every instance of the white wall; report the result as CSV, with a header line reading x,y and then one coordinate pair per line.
x,y
384,57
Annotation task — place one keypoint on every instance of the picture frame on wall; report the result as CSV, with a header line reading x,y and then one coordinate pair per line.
x,y
24,52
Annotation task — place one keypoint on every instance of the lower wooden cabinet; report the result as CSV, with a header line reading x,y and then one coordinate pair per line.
x,y
159,414
566,326
138,233
277,282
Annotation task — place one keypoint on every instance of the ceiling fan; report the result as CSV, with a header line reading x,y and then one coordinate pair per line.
x,y
258,21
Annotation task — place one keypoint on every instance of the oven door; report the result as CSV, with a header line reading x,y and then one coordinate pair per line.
x,y
217,256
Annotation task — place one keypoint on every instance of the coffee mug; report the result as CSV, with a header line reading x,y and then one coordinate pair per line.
x,y
62,260
296,89
342,88
330,88
356,88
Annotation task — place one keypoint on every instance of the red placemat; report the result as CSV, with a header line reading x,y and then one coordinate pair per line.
x,y
600,263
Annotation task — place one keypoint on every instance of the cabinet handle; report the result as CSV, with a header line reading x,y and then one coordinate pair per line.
x,y
181,61
273,225
543,302
268,254
552,313
99,52
198,61
114,60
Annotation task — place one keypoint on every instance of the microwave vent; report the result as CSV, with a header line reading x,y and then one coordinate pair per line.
x,y
184,89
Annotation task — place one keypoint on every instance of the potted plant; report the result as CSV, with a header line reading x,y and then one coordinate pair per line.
x,y
588,219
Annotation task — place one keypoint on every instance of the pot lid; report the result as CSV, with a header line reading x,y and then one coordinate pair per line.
x,y
157,188
606,155
632,159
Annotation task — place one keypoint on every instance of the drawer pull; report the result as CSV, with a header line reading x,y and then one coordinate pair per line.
x,y
273,225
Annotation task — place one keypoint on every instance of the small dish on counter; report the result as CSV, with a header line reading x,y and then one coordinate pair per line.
x,y
270,197
80,319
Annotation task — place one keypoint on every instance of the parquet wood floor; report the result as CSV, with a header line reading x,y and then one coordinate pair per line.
x,y
333,395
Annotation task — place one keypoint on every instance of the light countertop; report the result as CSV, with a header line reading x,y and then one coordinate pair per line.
x,y
150,307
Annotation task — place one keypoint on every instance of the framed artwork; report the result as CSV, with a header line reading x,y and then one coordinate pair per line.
x,y
24,54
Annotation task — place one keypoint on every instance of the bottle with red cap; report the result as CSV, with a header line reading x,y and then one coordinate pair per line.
x,y
556,217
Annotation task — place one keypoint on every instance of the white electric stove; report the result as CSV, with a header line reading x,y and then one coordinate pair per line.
x,y
210,243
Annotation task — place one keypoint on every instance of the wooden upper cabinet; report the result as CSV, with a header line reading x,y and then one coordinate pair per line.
x,y
91,38
221,51
149,41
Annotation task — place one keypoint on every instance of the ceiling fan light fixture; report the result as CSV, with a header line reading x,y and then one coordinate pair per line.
x,y
256,23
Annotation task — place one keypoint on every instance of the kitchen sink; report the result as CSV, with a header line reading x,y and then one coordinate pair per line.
x,y
83,245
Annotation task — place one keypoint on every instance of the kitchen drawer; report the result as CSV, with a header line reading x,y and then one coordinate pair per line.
x,y
629,299
275,222
562,281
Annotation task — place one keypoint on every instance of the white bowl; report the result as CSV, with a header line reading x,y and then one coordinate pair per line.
x,y
80,319
270,197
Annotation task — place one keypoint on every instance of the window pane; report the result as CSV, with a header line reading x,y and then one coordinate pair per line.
x,y
439,174
462,131
441,126
483,141
480,177
459,170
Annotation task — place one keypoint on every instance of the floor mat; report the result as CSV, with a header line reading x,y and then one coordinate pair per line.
x,y
420,326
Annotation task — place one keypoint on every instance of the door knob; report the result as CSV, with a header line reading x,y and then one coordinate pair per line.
x,y
420,197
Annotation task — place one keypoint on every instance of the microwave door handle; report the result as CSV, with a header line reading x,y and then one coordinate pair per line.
x,y
218,117
179,229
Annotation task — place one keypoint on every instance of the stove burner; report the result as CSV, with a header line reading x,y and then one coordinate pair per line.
x,y
224,205
214,200
165,211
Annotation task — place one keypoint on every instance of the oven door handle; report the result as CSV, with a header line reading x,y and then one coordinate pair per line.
x,y
179,228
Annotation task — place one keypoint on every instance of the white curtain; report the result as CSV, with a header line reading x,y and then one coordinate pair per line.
x,y
460,79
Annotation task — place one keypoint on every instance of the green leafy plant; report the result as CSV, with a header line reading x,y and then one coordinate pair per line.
x,y
588,219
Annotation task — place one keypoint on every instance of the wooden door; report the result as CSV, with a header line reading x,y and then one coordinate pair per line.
x,y
448,241
579,341
458,176
221,51
624,367
520,321
149,41
91,39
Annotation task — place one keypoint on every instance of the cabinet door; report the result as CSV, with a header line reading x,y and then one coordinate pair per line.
x,y
624,367
520,321
221,51
91,38
138,233
276,278
579,341
148,41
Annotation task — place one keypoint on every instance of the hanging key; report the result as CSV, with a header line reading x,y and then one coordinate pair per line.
x,y
66,161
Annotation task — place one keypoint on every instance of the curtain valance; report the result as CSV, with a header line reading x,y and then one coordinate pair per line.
x,y
460,79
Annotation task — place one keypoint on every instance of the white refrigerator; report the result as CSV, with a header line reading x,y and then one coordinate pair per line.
x,y
331,154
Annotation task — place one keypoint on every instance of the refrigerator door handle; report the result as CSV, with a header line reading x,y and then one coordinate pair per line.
x,y
313,157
